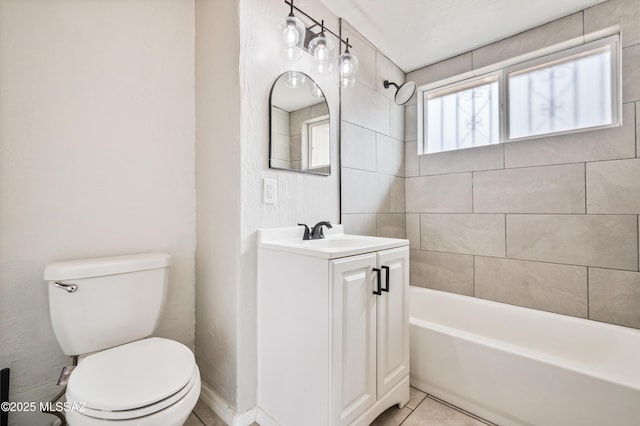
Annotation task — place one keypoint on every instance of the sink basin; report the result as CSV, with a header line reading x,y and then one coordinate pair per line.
x,y
335,245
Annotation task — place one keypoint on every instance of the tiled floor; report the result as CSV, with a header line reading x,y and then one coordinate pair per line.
x,y
421,410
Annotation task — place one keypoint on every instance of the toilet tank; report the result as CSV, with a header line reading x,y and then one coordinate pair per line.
x,y
116,300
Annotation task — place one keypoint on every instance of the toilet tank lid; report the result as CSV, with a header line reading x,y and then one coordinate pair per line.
x,y
101,266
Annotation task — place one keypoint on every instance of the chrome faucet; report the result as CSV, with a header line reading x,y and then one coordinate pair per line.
x,y
316,232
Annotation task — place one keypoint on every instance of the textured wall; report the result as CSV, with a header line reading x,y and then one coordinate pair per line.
x,y
301,197
96,158
372,146
233,158
218,193
550,223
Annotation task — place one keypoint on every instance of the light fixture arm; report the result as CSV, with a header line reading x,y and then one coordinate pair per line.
x,y
321,24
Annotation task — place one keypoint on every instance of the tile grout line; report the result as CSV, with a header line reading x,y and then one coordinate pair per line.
x,y
459,410
474,276
526,166
585,189
197,417
588,302
532,260
519,214
506,255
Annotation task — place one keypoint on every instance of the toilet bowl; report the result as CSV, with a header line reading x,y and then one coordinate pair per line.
x,y
104,310
149,382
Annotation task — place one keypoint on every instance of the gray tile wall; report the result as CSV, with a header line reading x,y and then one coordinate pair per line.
x,y
372,147
550,223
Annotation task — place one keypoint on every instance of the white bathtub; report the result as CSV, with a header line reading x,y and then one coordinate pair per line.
x,y
519,366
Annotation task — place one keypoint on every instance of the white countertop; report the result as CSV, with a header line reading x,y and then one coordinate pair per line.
x,y
336,243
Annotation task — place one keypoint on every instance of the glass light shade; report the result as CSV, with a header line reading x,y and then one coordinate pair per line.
x,y
316,91
295,79
322,53
292,33
347,83
348,68
290,54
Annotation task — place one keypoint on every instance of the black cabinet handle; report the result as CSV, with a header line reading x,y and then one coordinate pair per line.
x,y
378,272
386,272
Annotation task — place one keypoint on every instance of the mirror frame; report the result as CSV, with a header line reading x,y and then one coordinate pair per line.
x,y
271,141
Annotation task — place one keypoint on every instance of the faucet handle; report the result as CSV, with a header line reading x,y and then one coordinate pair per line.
x,y
306,231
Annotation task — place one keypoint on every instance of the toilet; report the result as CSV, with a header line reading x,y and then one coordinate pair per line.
x,y
104,311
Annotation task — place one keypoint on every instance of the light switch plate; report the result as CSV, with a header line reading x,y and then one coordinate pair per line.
x,y
270,191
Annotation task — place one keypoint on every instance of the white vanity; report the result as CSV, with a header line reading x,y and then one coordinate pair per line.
x,y
333,327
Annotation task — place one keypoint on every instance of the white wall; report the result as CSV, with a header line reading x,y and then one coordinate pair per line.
x,y
233,149
218,193
97,151
301,197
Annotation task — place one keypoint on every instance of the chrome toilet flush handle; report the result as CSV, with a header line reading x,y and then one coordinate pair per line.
x,y
69,287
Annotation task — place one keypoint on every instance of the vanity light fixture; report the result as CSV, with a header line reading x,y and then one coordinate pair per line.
x,y
292,35
319,46
322,51
347,67
295,79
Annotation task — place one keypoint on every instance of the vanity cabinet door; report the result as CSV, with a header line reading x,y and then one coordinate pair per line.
x,y
393,319
353,323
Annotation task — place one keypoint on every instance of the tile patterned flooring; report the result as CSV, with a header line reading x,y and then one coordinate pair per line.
x,y
421,410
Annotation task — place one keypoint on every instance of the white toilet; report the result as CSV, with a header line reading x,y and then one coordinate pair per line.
x,y
104,310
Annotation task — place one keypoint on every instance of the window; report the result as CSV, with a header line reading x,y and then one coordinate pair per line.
x,y
573,90
569,94
316,142
463,116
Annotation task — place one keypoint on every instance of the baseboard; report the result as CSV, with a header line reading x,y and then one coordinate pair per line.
x,y
224,411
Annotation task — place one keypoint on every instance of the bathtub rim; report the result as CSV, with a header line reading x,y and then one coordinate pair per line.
x,y
526,352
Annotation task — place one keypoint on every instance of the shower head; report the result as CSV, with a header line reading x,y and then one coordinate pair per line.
x,y
404,92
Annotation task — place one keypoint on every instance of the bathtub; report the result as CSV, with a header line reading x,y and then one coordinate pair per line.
x,y
519,366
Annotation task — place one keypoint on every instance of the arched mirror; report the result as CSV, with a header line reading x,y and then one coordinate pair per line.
x,y
299,125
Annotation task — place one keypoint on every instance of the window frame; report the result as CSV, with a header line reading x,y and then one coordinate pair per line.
x,y
503,69
306,140
461,86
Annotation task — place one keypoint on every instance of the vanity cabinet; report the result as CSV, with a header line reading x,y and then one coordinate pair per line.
x,y
333,336
370,330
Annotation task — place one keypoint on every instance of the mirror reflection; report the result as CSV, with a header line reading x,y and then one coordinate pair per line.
x,y
300,136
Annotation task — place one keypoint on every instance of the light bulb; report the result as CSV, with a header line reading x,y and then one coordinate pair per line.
x,y
348,67
292,33
321,53
321,50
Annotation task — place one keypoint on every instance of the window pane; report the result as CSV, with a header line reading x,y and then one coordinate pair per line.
x,y
574,93
319,144
463,118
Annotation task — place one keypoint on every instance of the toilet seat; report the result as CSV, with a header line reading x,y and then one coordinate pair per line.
x,y
133,380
